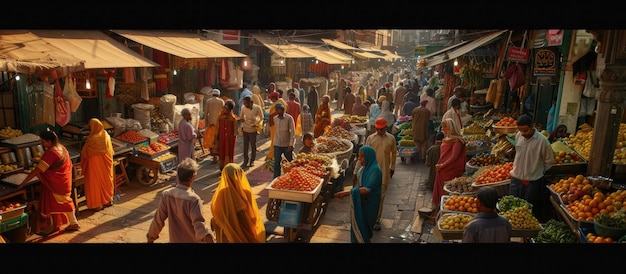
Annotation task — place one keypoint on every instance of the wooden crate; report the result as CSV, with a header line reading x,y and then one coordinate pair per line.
x,y
293,195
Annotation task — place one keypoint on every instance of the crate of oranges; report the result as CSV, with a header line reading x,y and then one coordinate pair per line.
x,y
506,125
459,203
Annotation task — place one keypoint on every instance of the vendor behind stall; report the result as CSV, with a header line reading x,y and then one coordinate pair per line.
x,y
55,174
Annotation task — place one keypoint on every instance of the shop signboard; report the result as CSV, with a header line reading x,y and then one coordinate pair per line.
x,y
422,50
545,62
516,54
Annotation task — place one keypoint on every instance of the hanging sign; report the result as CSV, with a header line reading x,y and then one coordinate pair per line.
x,y
545,62
554,37
516,54
229,37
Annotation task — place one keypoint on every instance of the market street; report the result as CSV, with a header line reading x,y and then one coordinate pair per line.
x,y
127,221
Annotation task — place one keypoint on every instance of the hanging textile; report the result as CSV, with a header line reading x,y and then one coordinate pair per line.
x,y
160,72
110,79
129,73
144,74
62,106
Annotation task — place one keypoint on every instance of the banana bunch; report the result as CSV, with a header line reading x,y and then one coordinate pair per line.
x,y
8,168
355,118
8,132
474,128
501,147
585,128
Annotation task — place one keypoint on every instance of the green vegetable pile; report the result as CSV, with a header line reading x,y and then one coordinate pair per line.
x,y
556,232
617,220
510,202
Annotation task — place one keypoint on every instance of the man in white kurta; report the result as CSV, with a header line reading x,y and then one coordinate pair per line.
x,y
212,109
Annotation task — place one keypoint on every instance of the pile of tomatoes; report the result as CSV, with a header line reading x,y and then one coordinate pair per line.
x,y
498,173
297,179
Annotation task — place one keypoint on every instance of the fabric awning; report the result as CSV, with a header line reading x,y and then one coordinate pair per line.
x,y
338,44
366,55
443,50
181,44
327,56
95,47
389,56
24,52
282,49
459,51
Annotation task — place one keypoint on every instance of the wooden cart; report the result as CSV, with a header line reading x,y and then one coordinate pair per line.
x,y
295,210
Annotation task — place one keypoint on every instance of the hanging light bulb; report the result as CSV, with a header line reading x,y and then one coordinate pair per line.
x,y
317,61
341,66
17,77
456,62
87,84
175,73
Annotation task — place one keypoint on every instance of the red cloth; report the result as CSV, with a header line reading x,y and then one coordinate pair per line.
x,y
227,137
452,157
56,179
160,77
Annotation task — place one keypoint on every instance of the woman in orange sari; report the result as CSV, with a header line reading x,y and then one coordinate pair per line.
x,y
227,126
96,160
54,171
236,217
322,117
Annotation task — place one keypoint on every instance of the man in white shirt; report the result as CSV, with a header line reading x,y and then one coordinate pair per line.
x,y
284,137
453,113
250,117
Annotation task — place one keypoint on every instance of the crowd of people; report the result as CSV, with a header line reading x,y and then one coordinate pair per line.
x,y
306,115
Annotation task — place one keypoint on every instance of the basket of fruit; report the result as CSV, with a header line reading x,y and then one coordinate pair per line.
x,y
459,187
607,225
459,204
453,222
506,125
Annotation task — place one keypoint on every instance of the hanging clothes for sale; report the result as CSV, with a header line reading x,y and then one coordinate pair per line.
x,y
129,73
110,78
160,72
145,74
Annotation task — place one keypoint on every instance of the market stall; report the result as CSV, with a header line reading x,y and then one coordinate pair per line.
x,y
458,210
151,155
299,197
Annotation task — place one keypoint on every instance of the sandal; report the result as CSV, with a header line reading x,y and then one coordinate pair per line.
x,y
73,227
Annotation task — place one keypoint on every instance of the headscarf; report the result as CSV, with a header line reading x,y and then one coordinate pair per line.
x,y
364,214
453,130
235,210
305,108
386,113
98,141
359,108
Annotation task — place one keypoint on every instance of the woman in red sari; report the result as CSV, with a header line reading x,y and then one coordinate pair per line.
x,y
55,174
452,159
227,126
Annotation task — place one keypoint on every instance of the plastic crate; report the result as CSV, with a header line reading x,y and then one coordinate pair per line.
x,y
169,164
12,214
136,146
7,225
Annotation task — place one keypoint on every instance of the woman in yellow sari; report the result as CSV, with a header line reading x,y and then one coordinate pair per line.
x,y
236,217
275,98
96,160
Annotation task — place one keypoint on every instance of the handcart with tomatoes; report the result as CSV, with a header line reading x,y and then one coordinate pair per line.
x,y
150,156
299,197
